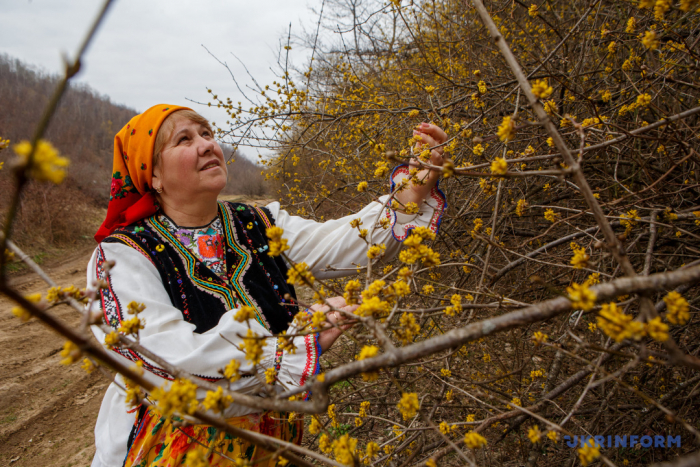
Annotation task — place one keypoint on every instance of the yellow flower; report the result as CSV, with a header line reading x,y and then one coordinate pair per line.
x,y
181,397
474,440
376,251
299,274
408,405
650,40
344,449
411,208
580,259
533,10
252,346
373,306
581,296
368,351
553,435
657,330
217,400
617,325
315,426
478,150
134,308
277,244
244,313
482,87
506,130
471,417
23,314
408,328
551,108
352,289
413,113
539,338
131,326
111,339
445,372
541,89
534,434
430,463
520,207
516,401
71,353
231,372
631,25
499,166
270,375
643,100
364,406
362,186
588,453
88,366
551,216
430,89
445,428
324,443
47,165
372,450
677,308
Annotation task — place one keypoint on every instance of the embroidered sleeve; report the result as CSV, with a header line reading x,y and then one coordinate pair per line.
x,y
300,366
165,332
334,248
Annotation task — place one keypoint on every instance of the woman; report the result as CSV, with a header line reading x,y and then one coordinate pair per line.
x,y
193,262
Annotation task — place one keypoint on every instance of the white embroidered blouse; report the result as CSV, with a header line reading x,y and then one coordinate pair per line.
x,y
332,243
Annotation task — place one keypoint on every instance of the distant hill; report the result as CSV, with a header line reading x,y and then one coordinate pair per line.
x,y
83,130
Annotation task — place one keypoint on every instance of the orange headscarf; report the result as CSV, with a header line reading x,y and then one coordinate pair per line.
x,y
131,197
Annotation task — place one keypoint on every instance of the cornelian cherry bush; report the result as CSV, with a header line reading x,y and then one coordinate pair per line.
x,y
559,298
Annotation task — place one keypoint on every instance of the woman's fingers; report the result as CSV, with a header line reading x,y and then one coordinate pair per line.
x,y
434,131
427,141
336,302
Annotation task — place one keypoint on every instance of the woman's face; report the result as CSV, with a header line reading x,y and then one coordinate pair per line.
x,y
191,163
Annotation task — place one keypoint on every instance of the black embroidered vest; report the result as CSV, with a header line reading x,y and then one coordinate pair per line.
x,y
253,277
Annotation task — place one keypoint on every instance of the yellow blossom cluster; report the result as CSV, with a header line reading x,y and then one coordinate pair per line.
x,y
46,165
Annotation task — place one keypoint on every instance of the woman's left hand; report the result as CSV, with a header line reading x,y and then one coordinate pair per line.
x,y
327,337
431,136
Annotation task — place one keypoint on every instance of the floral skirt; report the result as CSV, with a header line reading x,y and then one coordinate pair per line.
x,y
155,441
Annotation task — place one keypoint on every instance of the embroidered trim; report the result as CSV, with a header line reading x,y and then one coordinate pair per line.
x,y
399,173
191,264
235,277
129,242
264,217
313,364
112,311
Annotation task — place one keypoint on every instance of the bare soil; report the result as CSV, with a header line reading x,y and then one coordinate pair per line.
x,y
47,410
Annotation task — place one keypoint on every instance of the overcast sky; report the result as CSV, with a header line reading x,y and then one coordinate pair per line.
x,y
150,51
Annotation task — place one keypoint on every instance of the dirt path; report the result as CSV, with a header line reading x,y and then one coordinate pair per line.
x,y
47,410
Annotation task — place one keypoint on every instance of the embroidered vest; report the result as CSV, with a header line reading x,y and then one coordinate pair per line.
x,y
252,277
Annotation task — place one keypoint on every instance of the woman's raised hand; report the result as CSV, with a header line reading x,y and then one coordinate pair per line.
x,y
328,336
430,136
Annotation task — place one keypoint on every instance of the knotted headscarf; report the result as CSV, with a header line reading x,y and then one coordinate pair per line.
x,y
131,197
